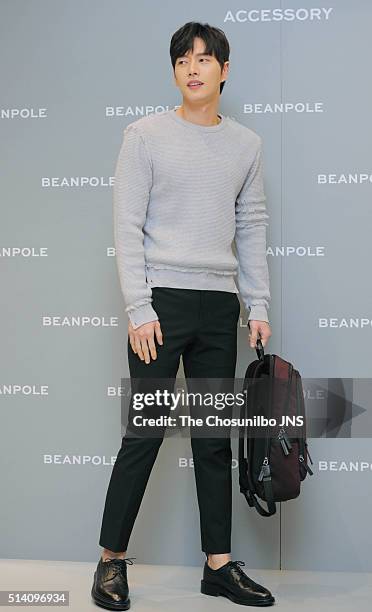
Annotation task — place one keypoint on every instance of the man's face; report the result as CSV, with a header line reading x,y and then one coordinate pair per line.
x,y
198,66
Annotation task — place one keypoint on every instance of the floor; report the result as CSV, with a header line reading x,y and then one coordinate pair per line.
x,y
158,588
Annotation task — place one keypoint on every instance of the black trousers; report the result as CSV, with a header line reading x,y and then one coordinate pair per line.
x,y
200,325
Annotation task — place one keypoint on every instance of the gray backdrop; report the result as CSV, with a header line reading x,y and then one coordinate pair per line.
x,y
74,74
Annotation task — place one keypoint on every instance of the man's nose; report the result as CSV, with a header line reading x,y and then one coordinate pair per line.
x,y
193,68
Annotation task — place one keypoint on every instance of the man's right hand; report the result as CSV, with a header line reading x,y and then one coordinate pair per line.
x,y
142,339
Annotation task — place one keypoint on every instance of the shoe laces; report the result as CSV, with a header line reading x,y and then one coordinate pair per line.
x,y
119,566
237,565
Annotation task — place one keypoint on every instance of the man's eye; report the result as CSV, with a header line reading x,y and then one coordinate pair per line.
x,y
202,59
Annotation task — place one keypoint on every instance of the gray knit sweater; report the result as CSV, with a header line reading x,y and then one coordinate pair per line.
x,y
189,212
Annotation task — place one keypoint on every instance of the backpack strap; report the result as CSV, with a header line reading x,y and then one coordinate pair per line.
x,y
253,501
243,461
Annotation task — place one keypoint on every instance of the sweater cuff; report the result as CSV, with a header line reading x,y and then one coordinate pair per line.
x,y
142,314
258,313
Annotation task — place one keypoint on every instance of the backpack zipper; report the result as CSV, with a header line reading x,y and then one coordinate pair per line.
x,y
265,469
284,441
282,435
271,382
306,466
308,454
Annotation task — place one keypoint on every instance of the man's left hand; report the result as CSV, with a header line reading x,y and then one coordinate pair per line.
x,y
259,329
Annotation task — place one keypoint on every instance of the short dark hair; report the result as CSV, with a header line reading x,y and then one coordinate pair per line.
x,y
216,43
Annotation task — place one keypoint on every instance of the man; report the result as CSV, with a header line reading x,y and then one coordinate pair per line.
x,y
188,183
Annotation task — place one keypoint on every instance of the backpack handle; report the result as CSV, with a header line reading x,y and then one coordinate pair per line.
x,y
260,349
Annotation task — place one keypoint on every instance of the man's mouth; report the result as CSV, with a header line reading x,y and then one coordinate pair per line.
x,y
194,84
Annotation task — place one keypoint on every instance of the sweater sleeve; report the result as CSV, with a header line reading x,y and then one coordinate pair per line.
x,y
132,185
250,242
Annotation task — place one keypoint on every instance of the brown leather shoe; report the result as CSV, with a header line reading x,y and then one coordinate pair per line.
x,y
232,582
110,586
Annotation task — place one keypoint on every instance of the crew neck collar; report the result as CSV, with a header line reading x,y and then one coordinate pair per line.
x,y
196,126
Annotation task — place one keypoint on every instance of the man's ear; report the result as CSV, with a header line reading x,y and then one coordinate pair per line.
x,y
225,70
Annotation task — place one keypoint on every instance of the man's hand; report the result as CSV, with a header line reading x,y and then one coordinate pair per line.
x,y
142,339
261,328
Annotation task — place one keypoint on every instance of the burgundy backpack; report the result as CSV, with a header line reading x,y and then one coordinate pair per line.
x,y
274,465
